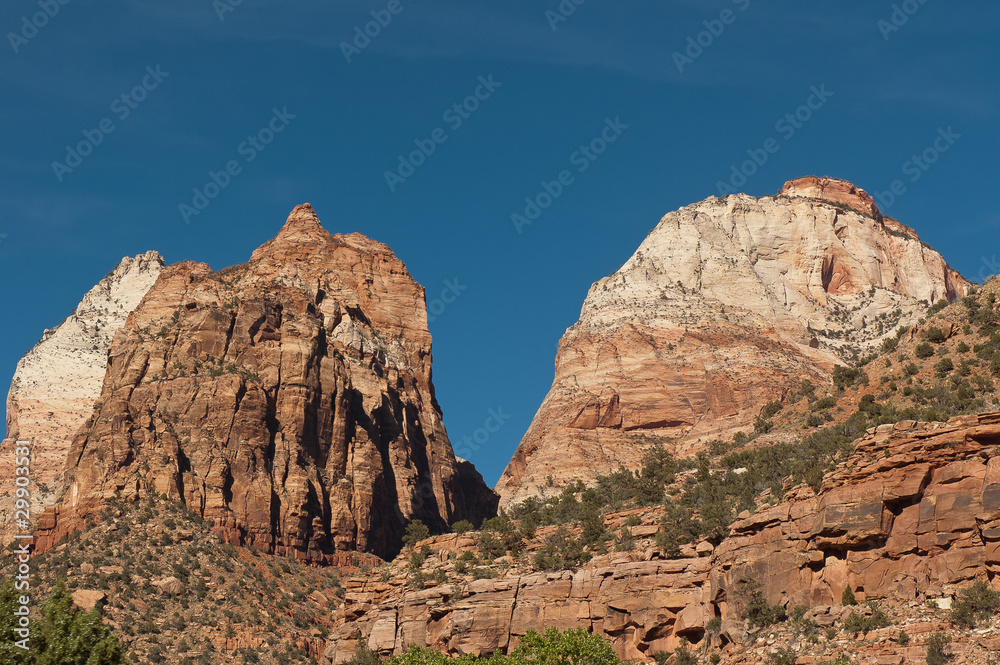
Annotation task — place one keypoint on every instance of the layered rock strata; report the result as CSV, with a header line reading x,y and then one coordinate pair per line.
x,y
914,513
726,305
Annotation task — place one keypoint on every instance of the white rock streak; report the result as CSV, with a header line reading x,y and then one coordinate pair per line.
x,y
56,383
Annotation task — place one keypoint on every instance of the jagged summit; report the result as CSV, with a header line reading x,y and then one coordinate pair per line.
x,y
303,223
301,227
289,399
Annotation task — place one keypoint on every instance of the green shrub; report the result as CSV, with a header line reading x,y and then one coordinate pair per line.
x,y
661,657
416,531
61,635
974,605
783,656
924,350
561,551
937,307
575,646
757,612
845,377
462,526
417,558
937,645
824,403
936,335
771,408
684,657
847,597
858,623
943,366
762,425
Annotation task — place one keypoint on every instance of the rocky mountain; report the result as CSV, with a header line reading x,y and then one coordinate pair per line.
x,y
725,305
288,399
56,383
912,515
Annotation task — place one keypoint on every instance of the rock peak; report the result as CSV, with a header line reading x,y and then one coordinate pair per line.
x,y
302,226
833,190
303,221
725,305
321,367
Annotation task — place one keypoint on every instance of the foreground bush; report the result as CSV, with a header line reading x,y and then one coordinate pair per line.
x,y
574,647
62,635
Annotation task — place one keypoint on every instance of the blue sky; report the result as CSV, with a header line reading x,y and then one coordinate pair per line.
x,y
681,124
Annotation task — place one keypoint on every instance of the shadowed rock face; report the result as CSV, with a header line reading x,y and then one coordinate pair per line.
x,y
726,305
289,399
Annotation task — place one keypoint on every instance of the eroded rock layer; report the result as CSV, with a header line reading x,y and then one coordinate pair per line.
x,y
726,305
56,383
914,513
288,399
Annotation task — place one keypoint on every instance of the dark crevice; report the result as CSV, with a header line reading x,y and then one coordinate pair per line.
x,y
229,333
183,463
272,424
227,486
275,520
358,315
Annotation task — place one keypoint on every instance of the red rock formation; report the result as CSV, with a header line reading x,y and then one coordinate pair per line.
x,y
833,190
917,507
914,513
289,399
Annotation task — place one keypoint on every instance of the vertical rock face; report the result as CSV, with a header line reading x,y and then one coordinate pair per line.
x,y
727,304
56,383
289,399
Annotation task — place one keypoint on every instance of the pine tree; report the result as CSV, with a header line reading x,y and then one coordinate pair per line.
x,y
59,635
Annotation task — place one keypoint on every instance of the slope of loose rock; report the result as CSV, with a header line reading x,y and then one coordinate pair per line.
x,y
172,591
723,306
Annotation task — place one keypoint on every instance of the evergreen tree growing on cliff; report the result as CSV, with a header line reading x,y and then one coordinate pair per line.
x,y
60,635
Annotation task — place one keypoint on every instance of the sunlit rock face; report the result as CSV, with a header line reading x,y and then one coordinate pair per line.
x,y
726,305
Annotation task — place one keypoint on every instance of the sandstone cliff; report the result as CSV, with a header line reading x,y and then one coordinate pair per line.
x,y
724,306
913,514
288,399
56,383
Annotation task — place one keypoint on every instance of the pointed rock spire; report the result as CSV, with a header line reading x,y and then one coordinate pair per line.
x,y
302,226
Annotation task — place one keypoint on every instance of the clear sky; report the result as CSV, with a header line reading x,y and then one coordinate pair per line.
x,y
672,95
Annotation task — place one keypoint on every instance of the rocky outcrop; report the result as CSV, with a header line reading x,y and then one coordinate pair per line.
x,y
288,399
634,604
56,384
914,513
726,305
914,510
832,190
